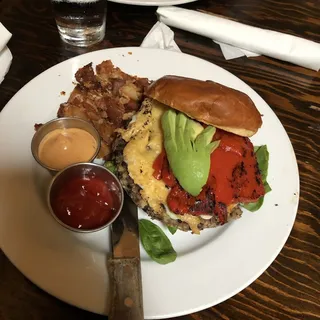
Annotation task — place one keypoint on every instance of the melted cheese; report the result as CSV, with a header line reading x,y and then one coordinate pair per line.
x,y
230,207
145,141
192,221
145,144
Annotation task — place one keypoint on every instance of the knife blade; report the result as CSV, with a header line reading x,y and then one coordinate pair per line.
x,y
124,265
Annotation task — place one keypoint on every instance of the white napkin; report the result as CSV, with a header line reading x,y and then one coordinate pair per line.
x,y
230,52
249,39
5,54
161,37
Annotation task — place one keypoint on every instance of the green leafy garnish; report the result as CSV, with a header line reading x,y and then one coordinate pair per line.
x,y
188,150
156,243
172,230
262,155
110,166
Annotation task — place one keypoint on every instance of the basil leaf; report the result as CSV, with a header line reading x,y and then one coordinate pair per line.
x,y
254,206
110,166
172,229
262,155
267,187
156,243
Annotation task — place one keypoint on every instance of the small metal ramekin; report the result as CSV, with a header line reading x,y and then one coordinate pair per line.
x,y
82,170
62,123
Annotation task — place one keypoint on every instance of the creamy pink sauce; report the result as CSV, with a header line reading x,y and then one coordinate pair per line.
x,y
63,147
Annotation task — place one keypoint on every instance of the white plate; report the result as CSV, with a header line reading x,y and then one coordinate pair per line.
x,y
209,269
153,2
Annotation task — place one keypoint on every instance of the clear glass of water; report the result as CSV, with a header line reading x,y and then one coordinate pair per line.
x,y
80,22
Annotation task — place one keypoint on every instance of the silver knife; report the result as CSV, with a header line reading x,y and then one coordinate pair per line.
x,y
124,266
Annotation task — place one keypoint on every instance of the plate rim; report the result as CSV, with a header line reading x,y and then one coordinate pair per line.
x,y
151,3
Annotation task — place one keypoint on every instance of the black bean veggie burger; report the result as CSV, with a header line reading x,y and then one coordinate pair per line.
x,y
186,159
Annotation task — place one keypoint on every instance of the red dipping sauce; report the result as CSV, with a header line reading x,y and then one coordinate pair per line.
x,y
85,202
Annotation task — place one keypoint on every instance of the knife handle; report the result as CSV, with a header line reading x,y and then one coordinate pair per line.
x,y
126,289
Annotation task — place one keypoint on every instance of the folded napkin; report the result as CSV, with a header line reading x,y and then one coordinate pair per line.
x,y
231,52
5,54
250,40
160,37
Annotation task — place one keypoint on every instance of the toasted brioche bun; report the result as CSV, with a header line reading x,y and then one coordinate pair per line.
x,y
208,102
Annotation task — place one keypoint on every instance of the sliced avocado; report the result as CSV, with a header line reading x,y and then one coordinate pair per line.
x,y
188,149
197,128
169,118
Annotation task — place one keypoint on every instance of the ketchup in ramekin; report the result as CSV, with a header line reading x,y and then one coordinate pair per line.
x,y
85,197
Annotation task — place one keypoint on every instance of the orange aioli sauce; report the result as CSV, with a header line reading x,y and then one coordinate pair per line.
x,y
62,147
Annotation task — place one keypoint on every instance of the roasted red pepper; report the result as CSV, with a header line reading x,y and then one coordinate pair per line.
x,y
235,169
167,174
234,177
180,201
158,164
162,170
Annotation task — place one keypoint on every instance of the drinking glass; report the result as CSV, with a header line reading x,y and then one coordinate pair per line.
x,y
80,22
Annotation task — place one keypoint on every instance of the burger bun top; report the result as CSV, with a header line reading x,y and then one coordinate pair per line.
x,y
208,102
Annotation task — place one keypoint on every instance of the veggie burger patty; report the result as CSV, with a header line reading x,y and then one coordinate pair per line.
x,y
135,150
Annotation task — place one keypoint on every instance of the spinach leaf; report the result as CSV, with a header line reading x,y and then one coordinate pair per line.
x,y
110,166
156,243
262,155
172,229
254,206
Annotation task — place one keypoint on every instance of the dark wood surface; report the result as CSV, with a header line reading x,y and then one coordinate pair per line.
x,y
290,287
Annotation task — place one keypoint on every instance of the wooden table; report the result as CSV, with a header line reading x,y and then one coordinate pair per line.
x,y
290,288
